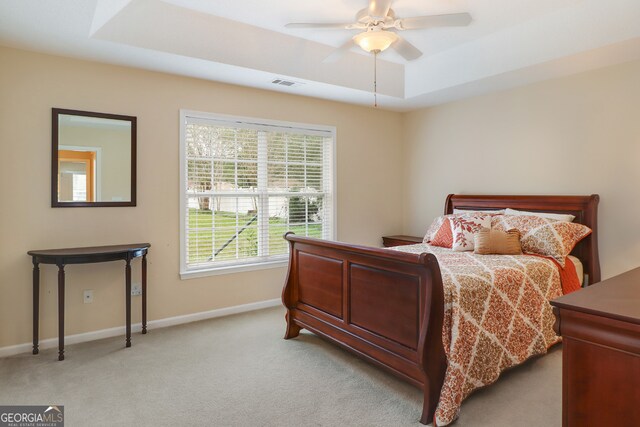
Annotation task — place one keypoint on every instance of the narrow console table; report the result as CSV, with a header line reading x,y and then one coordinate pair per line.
x,y
600,328
62,257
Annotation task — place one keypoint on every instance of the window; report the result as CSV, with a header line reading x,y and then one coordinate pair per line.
x,y
244,183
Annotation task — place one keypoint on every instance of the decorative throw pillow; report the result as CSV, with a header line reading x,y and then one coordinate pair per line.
x,y
464,227
543,236
441,220
497,242
435,227
444,236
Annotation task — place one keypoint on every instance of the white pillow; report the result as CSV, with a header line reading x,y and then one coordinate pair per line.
x,y
465,227
559,217
469,211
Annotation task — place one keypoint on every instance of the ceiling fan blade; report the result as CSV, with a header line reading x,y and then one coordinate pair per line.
x,y
448,20
406,49
339,52
328,25
379,8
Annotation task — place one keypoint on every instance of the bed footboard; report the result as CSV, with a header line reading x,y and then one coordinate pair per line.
x,y
385,306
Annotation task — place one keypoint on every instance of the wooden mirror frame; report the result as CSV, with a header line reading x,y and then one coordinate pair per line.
x,y
55,203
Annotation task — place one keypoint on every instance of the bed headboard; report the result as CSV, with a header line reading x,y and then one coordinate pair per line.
x,y
585,209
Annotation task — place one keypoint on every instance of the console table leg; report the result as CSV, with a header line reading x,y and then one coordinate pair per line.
x,y
127,271
60,311
36,305
144,293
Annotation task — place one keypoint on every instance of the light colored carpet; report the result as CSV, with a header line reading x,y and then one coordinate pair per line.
x,y
238,371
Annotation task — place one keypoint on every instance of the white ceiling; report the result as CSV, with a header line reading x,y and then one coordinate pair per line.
x,y
508,44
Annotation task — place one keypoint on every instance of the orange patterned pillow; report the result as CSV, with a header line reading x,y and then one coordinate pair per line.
x,y
444,236
543,236
434,228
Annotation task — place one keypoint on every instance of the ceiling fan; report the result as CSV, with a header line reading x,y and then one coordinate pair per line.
x,y
379,25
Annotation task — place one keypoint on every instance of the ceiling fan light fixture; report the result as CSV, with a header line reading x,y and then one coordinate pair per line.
x,y
375,40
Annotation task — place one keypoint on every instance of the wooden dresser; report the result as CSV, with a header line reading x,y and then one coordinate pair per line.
x,y
400,240
600,327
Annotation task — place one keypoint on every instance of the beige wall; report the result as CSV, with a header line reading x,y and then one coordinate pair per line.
x,y
576,135
368,175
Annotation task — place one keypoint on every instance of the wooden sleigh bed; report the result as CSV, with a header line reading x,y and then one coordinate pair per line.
x,y
387,306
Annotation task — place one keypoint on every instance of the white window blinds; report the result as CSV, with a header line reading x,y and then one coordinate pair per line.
x,y
246,183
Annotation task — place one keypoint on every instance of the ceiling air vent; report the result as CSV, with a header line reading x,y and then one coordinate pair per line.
x,y
287,83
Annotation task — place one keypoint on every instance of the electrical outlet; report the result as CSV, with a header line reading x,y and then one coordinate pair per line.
x,y
88,296
136,289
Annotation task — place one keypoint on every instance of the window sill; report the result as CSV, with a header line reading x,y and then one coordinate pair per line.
x,y
215,271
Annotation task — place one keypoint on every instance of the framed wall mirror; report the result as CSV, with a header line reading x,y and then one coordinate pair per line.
x,y
93,159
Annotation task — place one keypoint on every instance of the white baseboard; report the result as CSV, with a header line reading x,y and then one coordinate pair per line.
x,y
137,327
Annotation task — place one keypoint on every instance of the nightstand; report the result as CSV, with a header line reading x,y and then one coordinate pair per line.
x,y
400,240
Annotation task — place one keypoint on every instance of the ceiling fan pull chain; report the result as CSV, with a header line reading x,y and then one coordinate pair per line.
x,y
375,78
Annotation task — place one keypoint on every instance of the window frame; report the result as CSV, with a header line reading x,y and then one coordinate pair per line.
x,y
188,273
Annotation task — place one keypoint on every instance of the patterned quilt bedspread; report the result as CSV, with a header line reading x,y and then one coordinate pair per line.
x,y
497,315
